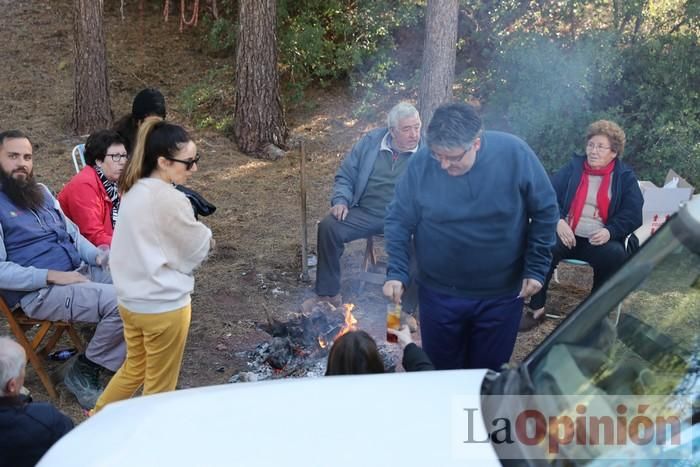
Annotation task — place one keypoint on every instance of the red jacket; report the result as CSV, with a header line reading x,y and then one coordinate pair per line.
x,y
84,200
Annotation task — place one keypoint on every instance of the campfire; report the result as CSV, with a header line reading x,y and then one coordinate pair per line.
x,y
299,347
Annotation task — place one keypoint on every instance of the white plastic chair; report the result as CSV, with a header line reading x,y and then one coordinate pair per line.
x,y
575,262
78,157
578,262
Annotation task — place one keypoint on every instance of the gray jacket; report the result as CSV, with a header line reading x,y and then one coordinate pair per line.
x,y
16,277
353,173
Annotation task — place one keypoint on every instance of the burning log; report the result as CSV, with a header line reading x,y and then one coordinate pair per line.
x,y
322,325
299,346
280,352
350,321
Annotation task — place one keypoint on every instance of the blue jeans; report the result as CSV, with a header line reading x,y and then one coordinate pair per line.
x,y
459,332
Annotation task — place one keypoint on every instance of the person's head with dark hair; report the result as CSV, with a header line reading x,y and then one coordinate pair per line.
x,y
13,134
148,102
454,137
17,170
105,149
163,150
354,353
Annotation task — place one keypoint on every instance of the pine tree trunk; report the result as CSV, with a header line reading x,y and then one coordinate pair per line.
x,y
92,109
439,54
259,125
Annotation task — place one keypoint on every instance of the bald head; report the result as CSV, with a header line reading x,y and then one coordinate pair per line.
x,y
12,362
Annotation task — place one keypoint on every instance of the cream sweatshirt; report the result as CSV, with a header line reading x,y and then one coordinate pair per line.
x,y
157,244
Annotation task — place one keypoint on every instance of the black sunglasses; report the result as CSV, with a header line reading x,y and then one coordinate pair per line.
x,y
188,164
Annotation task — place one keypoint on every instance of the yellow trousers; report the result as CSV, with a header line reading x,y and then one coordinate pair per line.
x,y
155,344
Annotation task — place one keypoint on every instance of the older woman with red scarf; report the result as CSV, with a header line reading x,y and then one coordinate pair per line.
x,y
600,204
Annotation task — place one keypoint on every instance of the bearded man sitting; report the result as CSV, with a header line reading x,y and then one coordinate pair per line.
x,y
52,271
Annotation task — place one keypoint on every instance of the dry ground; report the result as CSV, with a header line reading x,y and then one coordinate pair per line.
x,y
254,271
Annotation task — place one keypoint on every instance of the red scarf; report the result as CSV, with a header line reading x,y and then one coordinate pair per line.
x,y
602,198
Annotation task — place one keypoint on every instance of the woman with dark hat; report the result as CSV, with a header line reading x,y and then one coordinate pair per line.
x,y
150,102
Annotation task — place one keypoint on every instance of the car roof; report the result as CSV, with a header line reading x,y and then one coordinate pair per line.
x,y
387,419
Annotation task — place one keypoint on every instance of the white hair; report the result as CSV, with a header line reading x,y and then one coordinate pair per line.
x,y
12,361
398,112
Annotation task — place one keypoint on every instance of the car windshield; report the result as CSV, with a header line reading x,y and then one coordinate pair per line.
x,y
636,337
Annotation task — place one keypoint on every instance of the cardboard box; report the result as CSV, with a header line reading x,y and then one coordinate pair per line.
x,y
660,203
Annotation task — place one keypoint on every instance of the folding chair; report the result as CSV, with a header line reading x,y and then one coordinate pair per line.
x,y
78,156
370,265
21,324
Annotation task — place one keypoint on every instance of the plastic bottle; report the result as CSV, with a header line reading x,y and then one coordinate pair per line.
x,y
63,354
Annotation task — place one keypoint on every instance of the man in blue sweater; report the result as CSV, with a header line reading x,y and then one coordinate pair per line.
x,y
483,213
364,185
51,271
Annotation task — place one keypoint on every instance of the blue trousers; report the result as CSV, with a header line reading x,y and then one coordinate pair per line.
x,y
460,332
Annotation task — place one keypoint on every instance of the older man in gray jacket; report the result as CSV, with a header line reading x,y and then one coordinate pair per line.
x,y
364,186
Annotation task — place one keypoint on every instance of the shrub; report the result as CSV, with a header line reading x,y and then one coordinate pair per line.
x,y
661,103
207,103
547,91
326,40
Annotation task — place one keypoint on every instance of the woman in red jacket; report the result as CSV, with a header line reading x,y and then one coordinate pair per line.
x,y
91,198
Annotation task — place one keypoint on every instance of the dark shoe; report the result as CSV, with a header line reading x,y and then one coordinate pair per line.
x,y
83,381
528,321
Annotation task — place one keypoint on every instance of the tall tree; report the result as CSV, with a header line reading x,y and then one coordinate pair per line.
x,y
91,104
439,55
259,126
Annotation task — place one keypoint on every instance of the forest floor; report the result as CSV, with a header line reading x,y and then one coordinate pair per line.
x,y
254,271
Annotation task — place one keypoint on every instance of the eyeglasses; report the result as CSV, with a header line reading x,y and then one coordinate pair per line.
x,y
596,147
118,157
451,159
188,164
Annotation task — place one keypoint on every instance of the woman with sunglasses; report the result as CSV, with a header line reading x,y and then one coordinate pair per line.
x,y
156,247
600,205
91,198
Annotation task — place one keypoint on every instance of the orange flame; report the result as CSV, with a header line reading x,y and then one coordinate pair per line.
x,y
321,342
350,321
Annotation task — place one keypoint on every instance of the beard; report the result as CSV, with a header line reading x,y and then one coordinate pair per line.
x,y
25,193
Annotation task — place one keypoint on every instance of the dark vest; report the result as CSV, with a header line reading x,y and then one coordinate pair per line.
x,y
37,238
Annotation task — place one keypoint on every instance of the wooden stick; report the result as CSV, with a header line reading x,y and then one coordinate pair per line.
x,y
304,236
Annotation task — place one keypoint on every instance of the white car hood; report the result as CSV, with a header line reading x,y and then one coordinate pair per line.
x,y
390,419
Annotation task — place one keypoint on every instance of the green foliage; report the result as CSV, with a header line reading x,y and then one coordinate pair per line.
x,y
207,103
220,38
218,35
545,92
543,70
325,40
640,68
662,105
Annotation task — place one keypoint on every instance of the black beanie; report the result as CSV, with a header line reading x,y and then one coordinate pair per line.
x,y
147,102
